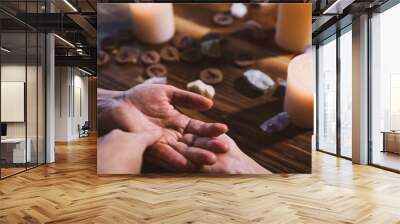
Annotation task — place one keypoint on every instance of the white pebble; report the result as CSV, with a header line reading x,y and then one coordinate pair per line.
x,y
238,10
201,88
259,80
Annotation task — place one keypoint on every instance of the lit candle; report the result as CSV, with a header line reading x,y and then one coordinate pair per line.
x,y
293,28
154,22
299,97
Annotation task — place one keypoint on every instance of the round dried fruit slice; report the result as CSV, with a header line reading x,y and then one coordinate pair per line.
x,y
156,70
127,55
211,76
182,41
169,53
150,57
222,19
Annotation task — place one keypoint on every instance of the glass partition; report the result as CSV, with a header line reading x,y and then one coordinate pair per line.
x,y
14,151
22,77
327,96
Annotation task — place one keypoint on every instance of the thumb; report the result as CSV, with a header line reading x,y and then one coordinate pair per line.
x,y
147,138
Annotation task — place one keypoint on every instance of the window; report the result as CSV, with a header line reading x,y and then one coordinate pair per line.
x,y
385,89
346,75
327,96
335,74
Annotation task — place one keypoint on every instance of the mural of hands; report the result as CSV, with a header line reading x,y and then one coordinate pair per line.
x,y
184,144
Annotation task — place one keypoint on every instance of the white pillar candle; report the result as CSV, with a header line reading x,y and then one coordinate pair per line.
x,y
154,22
293,27
299,97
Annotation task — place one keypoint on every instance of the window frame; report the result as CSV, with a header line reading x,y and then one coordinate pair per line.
x,y
334,37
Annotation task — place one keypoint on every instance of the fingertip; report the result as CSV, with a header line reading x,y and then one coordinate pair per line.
x,y
207,103
223,128
215,130
202,103
210,159
219,146
203,157
190,100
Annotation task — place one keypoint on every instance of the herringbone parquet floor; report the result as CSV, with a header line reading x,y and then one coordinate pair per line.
x,y
69,191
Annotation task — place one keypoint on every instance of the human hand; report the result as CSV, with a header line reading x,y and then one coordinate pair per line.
x,y
232,161
149,107
121,152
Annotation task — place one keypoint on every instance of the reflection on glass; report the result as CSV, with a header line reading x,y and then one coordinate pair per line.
x,y
346,94
327,97
385,84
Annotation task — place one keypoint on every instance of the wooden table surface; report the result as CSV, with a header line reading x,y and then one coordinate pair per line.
x,y
235,103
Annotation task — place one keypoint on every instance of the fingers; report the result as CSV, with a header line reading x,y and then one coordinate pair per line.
x,y
196,155
203,129
167,157
214,145
188,100
164,151
159,162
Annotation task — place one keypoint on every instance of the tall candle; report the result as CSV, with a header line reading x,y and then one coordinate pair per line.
x,y
154,22
293,27
299,98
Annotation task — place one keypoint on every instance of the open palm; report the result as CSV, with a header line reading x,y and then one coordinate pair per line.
x,y
151,106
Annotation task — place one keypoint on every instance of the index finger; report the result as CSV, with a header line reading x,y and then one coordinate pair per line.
x,y
188,99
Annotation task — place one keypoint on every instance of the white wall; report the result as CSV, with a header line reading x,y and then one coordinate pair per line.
x,y
71,94
16,73
61,103
33,127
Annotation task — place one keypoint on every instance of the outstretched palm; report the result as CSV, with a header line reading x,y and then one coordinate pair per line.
x,y
150,106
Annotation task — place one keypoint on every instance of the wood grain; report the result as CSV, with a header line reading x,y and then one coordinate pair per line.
x,y
69,191
235,102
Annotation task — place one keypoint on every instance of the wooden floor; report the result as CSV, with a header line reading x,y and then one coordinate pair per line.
x,y
69,191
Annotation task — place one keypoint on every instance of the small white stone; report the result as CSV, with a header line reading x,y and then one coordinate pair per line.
x,y
259,80
238,10
201,88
